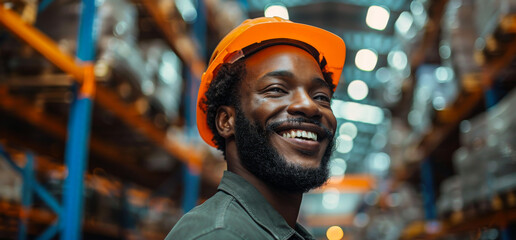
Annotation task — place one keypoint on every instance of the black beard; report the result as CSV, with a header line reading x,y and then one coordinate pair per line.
x,y
260,158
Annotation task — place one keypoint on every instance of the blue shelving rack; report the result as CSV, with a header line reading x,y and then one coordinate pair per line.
x,y
69,220
70,216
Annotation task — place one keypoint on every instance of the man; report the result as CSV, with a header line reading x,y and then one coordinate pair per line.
x,y
265,103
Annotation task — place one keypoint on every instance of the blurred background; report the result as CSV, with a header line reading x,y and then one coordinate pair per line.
x,y
107,88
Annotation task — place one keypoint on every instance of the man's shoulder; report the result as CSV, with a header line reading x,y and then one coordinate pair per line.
x,y
220,217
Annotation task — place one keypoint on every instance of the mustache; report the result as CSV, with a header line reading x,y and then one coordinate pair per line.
x,y
272,126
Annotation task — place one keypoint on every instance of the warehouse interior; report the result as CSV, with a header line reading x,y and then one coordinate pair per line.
x,y
98,137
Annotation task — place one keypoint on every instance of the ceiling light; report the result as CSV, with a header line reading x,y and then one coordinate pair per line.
x,y
331,198
393,199
334,233
276,11
366,59
187,10
379,162
361,220
445,51
338,168
397,59
465,126
439,103
377,17
404,22
357,112
358,90
371,198
147,87
417,8
344,143
383,75
415,118
348,129
340,163
444,74
379,140
480,43
337,171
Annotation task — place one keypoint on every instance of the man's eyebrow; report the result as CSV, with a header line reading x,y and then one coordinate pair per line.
x,y
279,73
288,74
321,82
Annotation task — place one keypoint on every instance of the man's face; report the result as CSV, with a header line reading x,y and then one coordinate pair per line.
x,y
284,126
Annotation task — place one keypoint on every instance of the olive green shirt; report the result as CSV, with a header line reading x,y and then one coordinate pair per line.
x,y
237,211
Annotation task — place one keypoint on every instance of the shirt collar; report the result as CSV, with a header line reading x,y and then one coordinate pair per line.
x,y
258,208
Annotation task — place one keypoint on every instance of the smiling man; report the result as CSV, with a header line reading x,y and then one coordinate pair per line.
x,y
265,103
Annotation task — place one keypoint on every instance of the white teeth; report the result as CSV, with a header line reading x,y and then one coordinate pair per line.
x,y
300,134
312,135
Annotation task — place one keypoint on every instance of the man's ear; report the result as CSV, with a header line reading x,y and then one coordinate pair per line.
x,y
225,121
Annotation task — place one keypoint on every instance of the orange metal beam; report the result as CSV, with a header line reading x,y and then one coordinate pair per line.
x,y
104,97
55,127
493,67
350,183
508,23
451,117
175,39
40,42
40,216
329,220
23,109
130,116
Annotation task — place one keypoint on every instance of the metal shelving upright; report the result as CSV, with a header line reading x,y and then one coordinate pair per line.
x,y
79,122
78,130
69,214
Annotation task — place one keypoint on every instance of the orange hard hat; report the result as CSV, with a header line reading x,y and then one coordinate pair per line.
x,y
329,46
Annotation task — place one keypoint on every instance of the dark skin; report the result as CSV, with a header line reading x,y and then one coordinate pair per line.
x,y
282,82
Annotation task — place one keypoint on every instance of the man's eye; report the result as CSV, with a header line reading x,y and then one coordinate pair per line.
x,y
276,90
323,98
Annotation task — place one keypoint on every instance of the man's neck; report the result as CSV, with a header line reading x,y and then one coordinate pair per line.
x,y
286,204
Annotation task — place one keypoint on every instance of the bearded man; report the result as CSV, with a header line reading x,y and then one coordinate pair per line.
x,y
265,103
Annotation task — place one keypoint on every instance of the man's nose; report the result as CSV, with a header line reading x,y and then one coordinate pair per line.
x,y
303,104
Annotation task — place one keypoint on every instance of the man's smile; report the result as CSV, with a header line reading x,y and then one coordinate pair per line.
x,y
302,135
302,145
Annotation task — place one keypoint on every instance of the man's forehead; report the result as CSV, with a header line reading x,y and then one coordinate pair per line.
x,y
278,53
281,61
254,48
